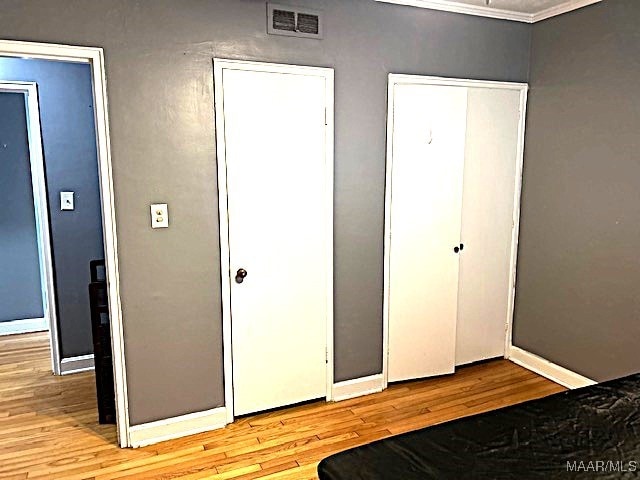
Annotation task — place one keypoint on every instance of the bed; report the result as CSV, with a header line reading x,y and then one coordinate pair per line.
x,y
592,432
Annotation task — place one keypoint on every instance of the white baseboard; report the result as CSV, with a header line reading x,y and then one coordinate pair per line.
x,y
357,387
175,427
82,363
27,325
547,369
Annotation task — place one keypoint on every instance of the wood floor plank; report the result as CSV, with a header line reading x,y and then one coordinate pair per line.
x,y
49,429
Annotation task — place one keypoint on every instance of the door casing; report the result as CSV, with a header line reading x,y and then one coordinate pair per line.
x,y
327,73
399,79
94,56
36,160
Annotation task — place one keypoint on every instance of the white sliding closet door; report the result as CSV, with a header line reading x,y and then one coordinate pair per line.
x,y
488,219
428,148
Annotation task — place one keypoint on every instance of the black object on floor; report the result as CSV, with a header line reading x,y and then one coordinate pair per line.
x,y
589,433
101,330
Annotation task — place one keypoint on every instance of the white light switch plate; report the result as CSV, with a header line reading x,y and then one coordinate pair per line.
x,y
66,201
159,215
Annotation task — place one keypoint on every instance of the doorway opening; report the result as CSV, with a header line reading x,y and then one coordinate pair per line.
x,y
25,253
61,151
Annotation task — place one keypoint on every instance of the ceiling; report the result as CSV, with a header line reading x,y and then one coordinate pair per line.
x,y
528,11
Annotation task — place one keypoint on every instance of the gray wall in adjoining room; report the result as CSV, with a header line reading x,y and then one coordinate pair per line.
x,y
20,286
160,86
71,164
577,301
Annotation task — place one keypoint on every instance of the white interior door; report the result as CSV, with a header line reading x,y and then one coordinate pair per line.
x,y
493,120
429,124
275,151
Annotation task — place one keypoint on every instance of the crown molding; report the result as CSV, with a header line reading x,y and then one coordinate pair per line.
x,y
562,8
482,11
458,7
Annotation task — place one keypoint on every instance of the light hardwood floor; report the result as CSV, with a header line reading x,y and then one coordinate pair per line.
x,y
49,428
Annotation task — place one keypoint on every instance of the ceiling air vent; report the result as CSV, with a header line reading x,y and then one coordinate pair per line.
x,y
293,21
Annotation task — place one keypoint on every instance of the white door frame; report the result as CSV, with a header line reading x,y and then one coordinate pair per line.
x,y
327,73
39,189
399,79
95,58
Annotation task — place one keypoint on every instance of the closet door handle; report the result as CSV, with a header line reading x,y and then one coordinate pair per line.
x,y
459,248
456,249
240,275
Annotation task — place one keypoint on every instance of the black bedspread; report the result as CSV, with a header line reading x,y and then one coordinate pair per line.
x,y
592,432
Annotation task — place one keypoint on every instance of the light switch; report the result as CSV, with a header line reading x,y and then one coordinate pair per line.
x,y
159,215
66,201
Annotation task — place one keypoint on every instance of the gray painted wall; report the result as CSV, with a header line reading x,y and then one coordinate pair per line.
x,y
20,294
577,302
160,86
71,164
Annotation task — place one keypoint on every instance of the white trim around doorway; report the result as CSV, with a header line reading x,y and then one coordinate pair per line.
x,y
95,58
40,203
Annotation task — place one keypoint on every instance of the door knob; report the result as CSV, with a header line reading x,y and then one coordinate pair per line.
x,y
240,274
456,249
